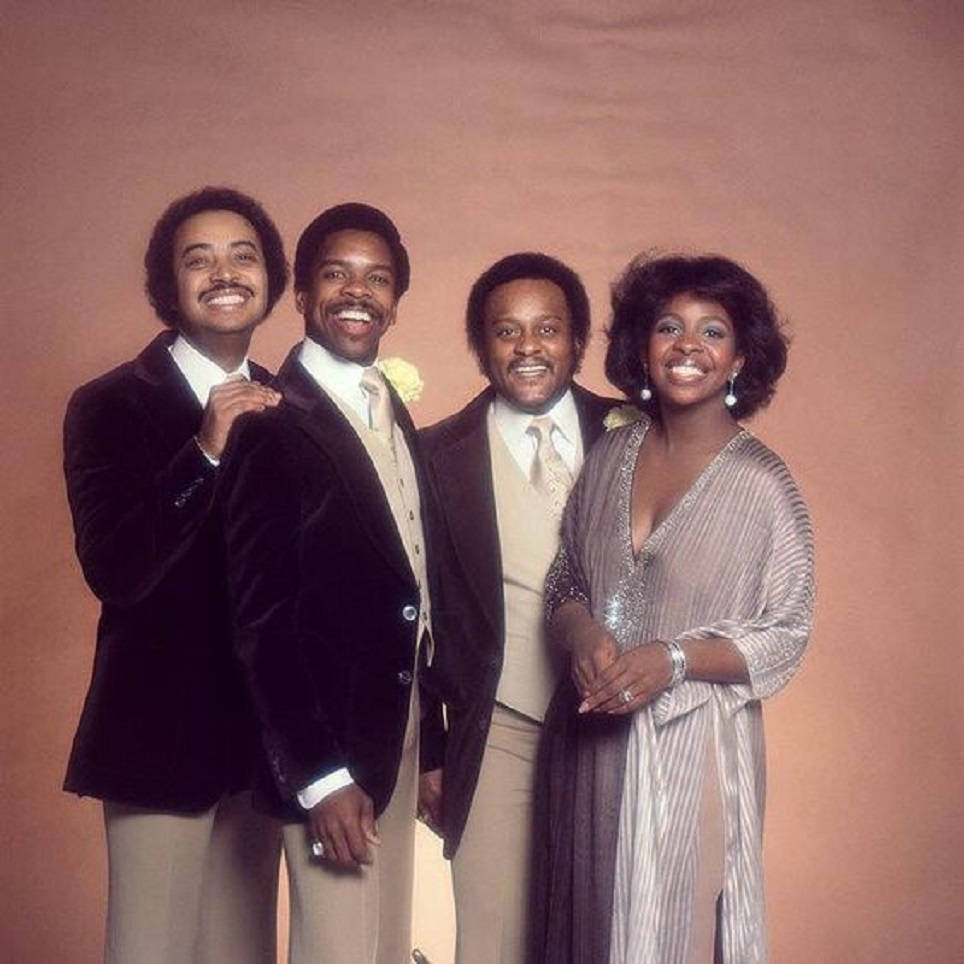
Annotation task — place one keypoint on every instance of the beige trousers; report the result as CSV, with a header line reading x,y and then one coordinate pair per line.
x,y
491,870
191,888
363,916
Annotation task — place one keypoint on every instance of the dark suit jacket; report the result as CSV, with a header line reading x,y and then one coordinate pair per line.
x,y
166,723
468,609
325,600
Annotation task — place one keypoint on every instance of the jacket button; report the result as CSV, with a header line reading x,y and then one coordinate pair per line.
x,y
409,613
405,677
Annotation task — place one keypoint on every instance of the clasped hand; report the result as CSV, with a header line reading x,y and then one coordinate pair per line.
x,y
618,683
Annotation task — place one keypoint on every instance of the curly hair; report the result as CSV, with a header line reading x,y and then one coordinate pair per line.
x,y
354,216
530,265
640,294
160,282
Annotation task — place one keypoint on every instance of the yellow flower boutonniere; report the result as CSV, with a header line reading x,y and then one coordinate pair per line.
x,y
620,415
404,377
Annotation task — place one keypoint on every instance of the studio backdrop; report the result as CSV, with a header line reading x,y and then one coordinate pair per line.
x,y
819,144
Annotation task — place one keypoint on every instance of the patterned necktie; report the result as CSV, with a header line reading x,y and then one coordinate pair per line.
x,y
380,415
550,474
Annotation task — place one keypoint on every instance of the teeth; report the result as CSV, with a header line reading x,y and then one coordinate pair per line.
x,y
686,368
354,314
530,369
226,299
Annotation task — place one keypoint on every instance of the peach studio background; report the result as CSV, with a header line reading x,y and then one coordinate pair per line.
x,y
819,143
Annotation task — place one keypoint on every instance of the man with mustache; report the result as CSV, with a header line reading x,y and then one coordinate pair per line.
x,y
501,469
165,738
323,505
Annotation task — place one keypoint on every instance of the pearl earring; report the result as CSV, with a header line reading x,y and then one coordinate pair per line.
x,y
645,393
729,399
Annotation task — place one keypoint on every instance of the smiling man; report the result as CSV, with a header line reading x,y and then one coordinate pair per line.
x,y
501,469
323,505
165,739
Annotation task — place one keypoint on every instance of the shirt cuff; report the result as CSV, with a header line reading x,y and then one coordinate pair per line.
x,y
211,460
311,795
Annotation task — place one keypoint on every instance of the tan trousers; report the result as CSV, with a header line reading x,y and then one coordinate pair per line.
x,y
191,888
363,916
491,869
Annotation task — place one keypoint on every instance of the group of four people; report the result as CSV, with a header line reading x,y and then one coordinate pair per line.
x,y
294,583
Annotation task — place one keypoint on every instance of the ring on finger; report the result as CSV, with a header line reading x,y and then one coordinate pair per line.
x,y
626,696
317,849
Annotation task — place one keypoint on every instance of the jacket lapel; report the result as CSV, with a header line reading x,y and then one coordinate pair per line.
x,y
320,419
463,466
173,408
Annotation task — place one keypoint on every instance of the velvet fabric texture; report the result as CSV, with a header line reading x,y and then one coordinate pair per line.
x,y
166,723
468,608
324,598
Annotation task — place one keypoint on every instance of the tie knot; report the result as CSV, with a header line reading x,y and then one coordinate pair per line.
x,y
371,381
541,426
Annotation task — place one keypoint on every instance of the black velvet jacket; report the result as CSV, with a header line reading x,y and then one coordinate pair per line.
x,y
166,723
468,606
324,598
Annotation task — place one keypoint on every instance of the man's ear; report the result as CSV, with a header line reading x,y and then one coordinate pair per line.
x,y
300,302
579,350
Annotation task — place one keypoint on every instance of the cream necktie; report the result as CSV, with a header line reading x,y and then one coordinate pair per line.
x,y
380,415
551,477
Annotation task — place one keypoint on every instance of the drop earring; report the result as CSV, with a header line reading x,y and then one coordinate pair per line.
x,y
729,399
645,393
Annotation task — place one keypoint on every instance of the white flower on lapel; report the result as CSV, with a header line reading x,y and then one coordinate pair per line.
x,y
620,415
404,377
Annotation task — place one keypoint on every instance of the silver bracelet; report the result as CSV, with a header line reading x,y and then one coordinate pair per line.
x,y
678,659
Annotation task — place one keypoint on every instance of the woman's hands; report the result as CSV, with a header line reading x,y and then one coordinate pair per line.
x,y
630,681
590,647
609,681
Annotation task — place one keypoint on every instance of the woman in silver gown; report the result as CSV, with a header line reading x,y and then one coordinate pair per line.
x,y
683,592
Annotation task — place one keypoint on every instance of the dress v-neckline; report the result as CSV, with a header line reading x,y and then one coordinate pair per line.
x,y
658,531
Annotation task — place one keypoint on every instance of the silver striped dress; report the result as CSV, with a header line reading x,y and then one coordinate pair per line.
x,y
619,852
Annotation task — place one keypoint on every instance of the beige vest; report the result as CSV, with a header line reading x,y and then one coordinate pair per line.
x,y
529,538
400,484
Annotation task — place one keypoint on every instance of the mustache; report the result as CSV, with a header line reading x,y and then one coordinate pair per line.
x,y
227,286
526,362
364,304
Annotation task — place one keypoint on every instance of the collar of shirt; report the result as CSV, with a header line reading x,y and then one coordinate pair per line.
x,y
337,376
201,373
513,425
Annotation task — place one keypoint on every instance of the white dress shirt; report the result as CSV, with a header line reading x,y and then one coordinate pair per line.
x,y
513,425
201,373
337,376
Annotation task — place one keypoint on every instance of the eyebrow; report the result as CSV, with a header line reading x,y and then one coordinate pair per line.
x,y
548,316
345,263
207,246
702,318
